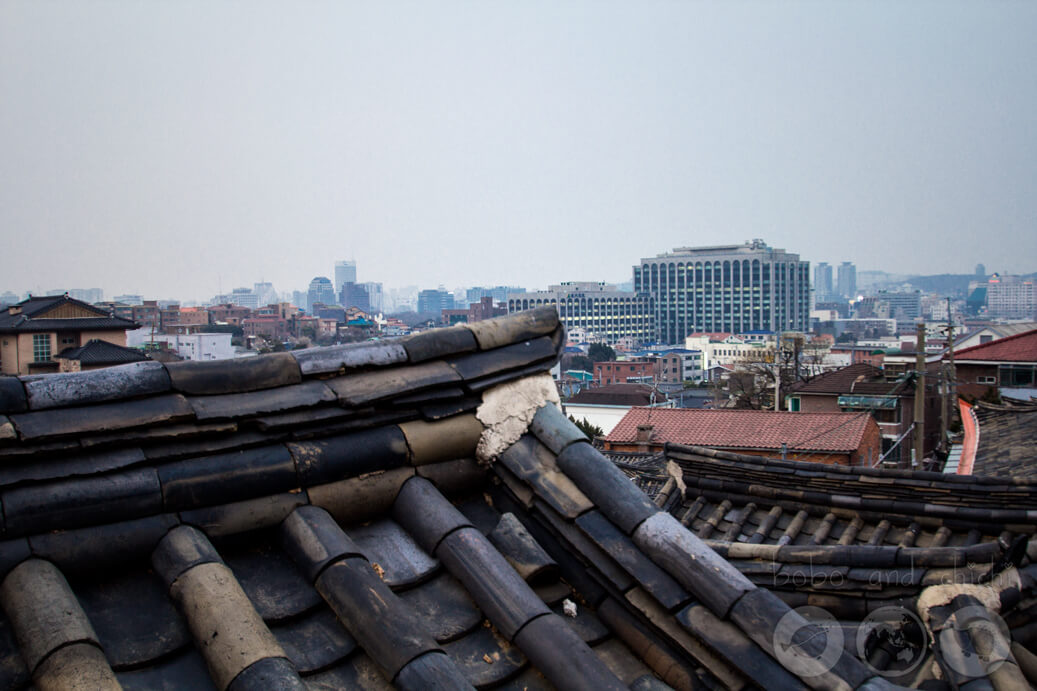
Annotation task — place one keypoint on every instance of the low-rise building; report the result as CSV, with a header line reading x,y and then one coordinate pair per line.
x,y
641,370
829,438
1007,366
605,406
97,354
33,331
194,346
888,398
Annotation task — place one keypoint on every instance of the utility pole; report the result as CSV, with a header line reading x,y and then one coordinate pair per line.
x,y
920,394
949,399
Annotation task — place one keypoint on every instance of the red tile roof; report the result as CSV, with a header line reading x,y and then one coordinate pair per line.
x,y
1018,348
746,429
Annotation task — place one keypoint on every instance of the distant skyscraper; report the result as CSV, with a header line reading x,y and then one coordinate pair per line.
x,y
847,278
265,293
354,295
345,272
822,282
730,288
375,295
320,291
981,271
435,301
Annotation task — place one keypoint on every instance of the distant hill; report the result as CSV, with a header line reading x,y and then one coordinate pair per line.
x,y
952,285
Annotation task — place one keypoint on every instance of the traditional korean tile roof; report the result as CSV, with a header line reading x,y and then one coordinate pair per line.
x,y
745,429
864,544
97,352
1005,447
23,317
415,514
1017,348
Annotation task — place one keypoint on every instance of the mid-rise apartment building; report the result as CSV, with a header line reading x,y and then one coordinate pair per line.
x,y
1010,297
731,288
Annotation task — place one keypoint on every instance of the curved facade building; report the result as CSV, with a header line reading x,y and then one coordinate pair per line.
x,y
729,288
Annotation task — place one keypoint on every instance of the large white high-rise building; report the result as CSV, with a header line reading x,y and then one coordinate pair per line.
x,y
729,288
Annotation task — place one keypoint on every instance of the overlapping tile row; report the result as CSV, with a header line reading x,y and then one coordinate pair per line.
x,y
787,527
144,439
696,617
171,557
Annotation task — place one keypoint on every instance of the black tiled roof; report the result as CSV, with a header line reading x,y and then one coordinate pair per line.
x,y
23,319
97,352
1006,441
411,514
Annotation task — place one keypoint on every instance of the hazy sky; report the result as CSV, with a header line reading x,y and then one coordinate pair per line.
x,y
174,148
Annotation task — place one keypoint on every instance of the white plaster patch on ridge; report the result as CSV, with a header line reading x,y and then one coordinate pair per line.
x,y
507,411
939,595
674,471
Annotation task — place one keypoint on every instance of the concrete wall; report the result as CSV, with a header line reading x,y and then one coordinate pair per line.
x,y
605,417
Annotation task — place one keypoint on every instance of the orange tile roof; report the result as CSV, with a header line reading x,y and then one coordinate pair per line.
x,y
746,429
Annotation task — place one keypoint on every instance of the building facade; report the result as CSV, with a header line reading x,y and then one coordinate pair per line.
x,y
732,288
847,280
345,272
34,331
434,301
597,310
822,282
1010,297
354,295
321,292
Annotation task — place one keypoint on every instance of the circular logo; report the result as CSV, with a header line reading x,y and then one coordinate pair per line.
x,y
894,635
808,641
977,643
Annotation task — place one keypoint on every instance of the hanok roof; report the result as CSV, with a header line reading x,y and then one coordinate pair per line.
x,y
58,313
1005,445
1018,348
414,513
746,429
867,549
97,352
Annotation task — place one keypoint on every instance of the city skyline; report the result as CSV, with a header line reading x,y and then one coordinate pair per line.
x,y
160,149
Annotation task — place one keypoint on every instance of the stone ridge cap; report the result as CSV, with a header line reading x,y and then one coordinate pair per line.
x,y
841,471
270,370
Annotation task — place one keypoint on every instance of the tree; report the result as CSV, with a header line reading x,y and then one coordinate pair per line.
x,y
587,428
601,352
578,362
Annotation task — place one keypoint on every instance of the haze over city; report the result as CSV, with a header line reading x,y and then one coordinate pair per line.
x,y
183,149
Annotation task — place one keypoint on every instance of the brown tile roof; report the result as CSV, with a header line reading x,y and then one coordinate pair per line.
x,y
617,394
1018,348
746,429
840,381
